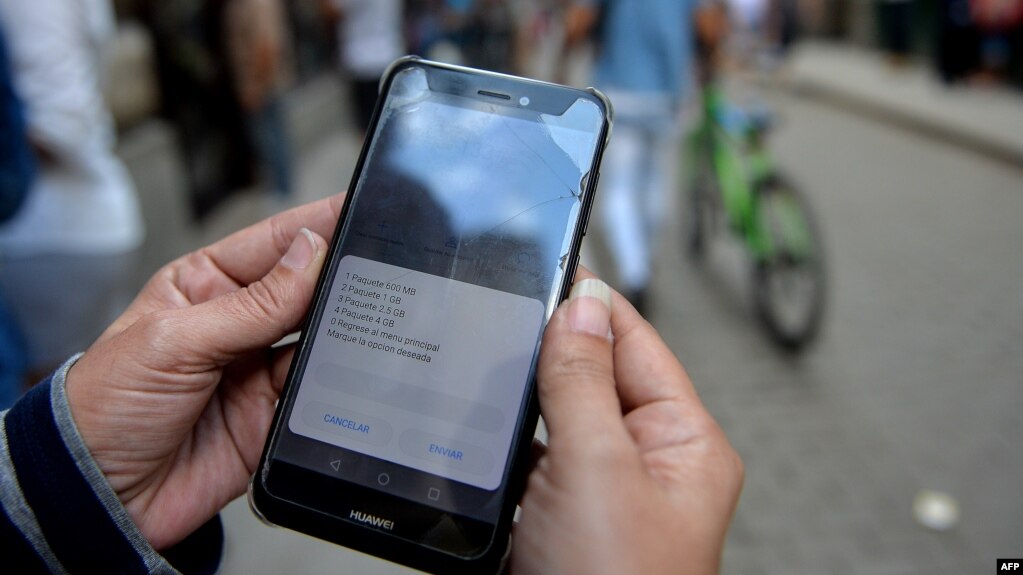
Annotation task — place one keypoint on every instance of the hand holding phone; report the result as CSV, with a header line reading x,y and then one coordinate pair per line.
x,y
175,397
201,328
637,476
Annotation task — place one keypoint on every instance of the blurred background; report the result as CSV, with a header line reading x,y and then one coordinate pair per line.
x,y
890,443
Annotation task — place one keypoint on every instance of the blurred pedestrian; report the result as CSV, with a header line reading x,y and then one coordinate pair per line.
x,y
782,23
895,29
424,25
369,39
539,38
750,31
1000,23
958,53
837,20
66,257
198,96
645,65
257,48
489,34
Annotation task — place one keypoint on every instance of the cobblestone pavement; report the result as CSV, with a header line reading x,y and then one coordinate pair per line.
x,y
915,383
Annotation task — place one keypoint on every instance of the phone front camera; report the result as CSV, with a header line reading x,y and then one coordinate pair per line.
x,y
523,101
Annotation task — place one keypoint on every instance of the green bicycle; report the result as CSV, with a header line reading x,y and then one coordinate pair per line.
x,y
735,187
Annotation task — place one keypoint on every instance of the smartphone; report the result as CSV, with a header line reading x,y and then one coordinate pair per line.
x,y
405,424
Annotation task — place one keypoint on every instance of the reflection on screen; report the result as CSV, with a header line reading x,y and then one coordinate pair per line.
x,y
473,191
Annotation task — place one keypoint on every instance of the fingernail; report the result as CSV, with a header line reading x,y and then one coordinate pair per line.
x,y
589,307
301,252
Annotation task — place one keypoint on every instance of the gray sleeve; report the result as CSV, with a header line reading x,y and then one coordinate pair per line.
x,y
14,502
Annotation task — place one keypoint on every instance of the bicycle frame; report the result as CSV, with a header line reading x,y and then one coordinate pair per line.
x,y
738,165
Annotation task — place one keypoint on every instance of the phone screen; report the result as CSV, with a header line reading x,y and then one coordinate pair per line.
x,y
453,255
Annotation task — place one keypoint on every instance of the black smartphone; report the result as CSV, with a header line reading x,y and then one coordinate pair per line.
x,y
406,421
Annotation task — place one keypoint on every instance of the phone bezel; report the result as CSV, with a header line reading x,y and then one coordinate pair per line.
x,y
295,485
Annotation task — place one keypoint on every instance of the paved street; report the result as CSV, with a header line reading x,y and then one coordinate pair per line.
x,y
915,383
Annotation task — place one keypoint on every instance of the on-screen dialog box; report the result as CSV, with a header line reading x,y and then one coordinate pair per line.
x,y
419,370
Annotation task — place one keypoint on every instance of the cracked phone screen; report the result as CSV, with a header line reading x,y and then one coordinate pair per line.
x,y
451,261
473,191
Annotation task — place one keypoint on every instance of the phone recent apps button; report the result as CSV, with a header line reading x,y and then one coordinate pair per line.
x,y
365,428
446,452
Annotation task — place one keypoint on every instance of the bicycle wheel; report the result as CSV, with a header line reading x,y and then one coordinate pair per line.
x,y
789,278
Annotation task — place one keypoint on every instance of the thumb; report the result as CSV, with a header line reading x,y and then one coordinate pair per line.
x,y
576,370
263,312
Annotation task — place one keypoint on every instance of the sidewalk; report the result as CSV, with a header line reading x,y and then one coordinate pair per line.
x,y
986,120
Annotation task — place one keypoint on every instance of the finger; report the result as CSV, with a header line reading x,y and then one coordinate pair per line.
x,y
576,370
229,264
646,369
248,255
661,405
261,313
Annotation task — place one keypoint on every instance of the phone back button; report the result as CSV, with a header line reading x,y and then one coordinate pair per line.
x,y
345,423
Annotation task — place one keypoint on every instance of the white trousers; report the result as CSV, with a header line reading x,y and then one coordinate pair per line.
x,y
638,177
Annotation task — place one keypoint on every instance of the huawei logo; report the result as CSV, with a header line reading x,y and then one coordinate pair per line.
x,y
378,522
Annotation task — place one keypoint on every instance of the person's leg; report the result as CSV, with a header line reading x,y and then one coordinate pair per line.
x,y
659,201
621,210
275,145
1016,50
902,28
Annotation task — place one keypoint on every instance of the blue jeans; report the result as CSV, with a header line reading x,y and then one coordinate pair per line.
x,y
268,130
638,175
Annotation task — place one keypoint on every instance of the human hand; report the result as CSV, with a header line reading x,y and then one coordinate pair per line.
x,y
175,399
637,476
